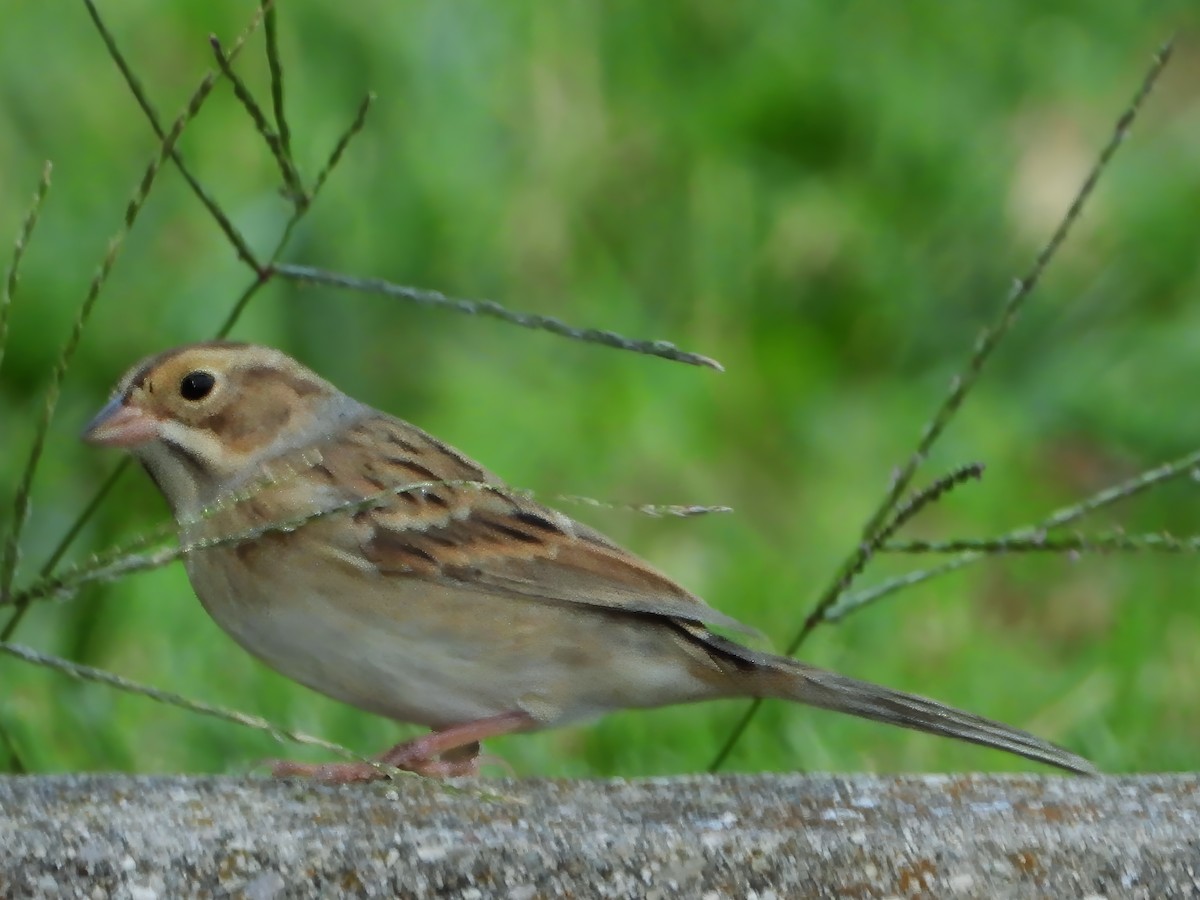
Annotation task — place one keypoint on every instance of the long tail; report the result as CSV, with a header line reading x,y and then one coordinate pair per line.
x,y
791,680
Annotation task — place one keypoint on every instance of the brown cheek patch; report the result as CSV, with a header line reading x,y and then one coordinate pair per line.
x,y
277,394
244,427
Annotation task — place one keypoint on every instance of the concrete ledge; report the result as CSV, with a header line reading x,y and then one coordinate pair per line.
x,y
742,836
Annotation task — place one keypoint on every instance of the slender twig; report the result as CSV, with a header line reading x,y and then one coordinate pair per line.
x,y
10,555
100,676
987,342
426,297
339,148
240,246
291,179
927,496
82,519
1078,542
118,562
298,213
275,65
653,510
239,305
1183,467
1021,289
961,385
904,514
265,273
910,508
280,145
97,284
112,562
850,603
245,720
14,267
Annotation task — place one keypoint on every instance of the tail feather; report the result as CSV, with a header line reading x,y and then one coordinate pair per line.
x,y
828,690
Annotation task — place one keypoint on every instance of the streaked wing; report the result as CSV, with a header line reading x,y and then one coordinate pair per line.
x,y
488,539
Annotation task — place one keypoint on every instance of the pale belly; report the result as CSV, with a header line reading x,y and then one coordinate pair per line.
x,y
436,655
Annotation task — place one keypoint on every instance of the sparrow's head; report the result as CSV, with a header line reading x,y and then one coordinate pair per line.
x,y
203,417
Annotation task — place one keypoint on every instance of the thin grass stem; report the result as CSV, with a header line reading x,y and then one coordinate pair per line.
x,y
986,344
1183,467
492,309
232,234
911,507
81,672
1075,543
297,215
136,202
235,313
125,685
291,179
343,142
275,66
124,560
961,385
14,276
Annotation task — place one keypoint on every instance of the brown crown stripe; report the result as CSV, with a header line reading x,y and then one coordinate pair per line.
x,y
139,376
301,385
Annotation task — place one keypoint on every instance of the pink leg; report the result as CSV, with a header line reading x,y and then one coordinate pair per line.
x,y
447,753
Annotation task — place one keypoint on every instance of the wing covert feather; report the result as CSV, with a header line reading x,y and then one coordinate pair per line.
x,y
488,538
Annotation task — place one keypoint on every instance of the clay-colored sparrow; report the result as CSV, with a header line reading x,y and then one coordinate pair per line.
x,y
456,603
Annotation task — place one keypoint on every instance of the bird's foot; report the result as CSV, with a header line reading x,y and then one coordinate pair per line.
x,y
450,753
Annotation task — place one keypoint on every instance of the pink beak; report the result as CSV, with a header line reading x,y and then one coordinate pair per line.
x,y
118,425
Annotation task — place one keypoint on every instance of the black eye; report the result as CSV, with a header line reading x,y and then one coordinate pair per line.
x,y
196,385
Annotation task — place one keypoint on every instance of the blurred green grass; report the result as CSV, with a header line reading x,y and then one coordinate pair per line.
x,y
830,199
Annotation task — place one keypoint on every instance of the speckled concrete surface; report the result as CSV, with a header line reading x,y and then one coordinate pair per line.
x,y
100,836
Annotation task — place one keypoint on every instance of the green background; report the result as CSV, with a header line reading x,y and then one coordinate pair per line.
x,y
830,198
